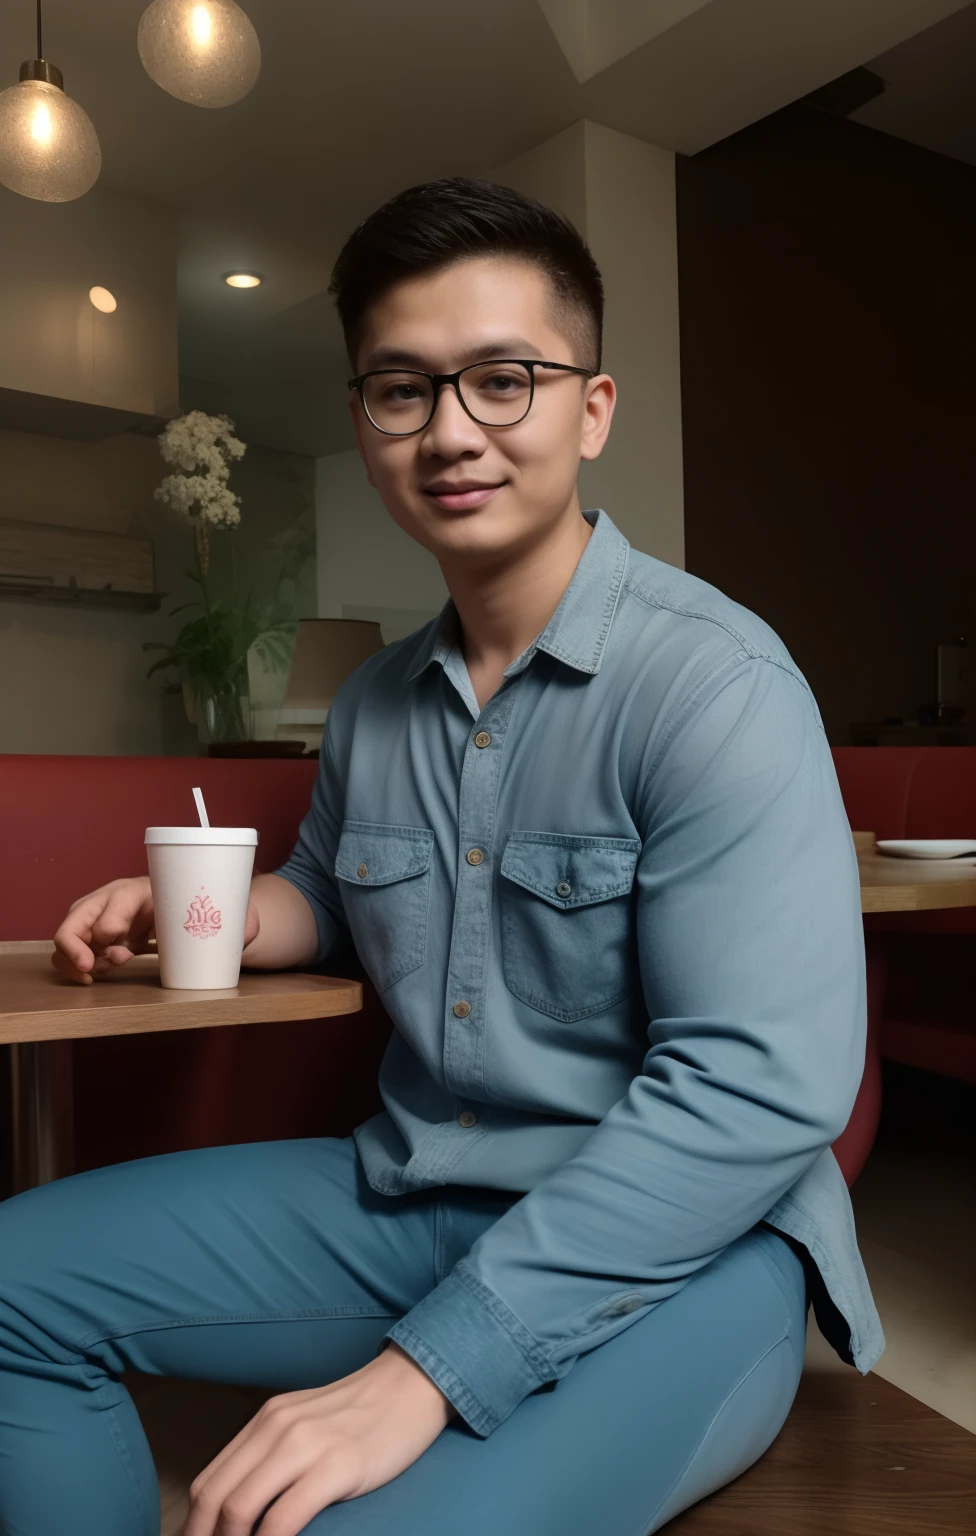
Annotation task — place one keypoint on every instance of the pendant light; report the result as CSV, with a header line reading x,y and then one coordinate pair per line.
x,y
205,52
48,147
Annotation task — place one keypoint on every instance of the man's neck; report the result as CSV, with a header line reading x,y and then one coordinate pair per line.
x,y
503,608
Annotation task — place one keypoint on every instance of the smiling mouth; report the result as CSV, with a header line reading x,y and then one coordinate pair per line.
x,y
460,501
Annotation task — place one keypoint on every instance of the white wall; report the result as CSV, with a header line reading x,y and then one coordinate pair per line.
x,y
554,172
74,680
632,232
54,342
619,192
365,561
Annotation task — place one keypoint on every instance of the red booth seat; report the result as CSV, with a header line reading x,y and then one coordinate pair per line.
x,y
69,824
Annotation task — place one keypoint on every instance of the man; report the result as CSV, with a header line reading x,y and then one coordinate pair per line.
x,y
585,834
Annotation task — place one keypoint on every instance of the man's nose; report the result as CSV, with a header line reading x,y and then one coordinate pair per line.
x,y
450,422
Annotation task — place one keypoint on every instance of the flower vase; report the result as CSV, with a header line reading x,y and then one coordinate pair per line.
x,y
223,712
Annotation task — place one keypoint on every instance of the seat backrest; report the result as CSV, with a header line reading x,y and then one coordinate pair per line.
x,y
876,785
942,802
69,824
911,792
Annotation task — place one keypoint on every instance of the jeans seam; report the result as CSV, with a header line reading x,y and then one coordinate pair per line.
x,y
648,1524
211,1321
125,1457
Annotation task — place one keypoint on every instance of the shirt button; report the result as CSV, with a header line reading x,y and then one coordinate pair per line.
x,y
564,888
467,1118
462,1010
475,856
482,739
362,871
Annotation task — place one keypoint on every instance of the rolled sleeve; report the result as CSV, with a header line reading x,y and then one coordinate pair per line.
x,y
752,966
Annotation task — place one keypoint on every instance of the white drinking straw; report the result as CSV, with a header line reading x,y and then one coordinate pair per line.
x,y
201,808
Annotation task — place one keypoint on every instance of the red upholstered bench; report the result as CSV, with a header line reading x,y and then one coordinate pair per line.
x,y
928,1017
67,825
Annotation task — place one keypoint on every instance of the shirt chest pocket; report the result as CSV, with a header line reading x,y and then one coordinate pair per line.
x,y
568,943
384,880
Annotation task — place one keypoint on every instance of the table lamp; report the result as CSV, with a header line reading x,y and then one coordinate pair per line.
x,y
326,652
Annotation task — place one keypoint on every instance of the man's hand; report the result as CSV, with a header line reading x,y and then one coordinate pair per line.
x,y
106,928
306,1450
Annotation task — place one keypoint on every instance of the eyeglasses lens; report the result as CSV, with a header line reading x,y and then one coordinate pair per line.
x,y
496,394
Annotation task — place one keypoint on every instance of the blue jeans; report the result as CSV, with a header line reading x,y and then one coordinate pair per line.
x,y
274,1264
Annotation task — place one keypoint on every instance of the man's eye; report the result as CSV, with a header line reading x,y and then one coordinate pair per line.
x,y
502,383
400,393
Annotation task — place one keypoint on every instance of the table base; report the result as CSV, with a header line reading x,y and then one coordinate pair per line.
x,y
42,1112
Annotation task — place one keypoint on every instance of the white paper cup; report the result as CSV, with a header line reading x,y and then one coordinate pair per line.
x,y
201,880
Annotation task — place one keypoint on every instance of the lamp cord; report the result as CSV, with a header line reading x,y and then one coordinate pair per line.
x,y
40,48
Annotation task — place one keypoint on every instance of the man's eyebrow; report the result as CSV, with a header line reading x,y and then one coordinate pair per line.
x,y
398,357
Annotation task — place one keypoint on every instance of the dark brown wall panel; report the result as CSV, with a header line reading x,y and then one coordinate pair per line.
x,y
828,357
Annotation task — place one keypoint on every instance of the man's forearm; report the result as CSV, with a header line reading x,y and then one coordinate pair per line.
x,y
288,934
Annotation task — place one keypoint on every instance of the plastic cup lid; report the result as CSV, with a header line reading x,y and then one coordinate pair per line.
x,y
206,837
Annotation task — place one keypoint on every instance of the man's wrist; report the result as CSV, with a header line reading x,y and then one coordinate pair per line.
x,y
404,1366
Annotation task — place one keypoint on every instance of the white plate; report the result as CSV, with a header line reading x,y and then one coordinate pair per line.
x,y
927,848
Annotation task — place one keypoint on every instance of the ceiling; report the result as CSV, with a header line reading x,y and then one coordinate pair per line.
x,y
930,88
356,101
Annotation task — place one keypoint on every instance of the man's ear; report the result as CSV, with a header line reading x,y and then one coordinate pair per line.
x,y
357,426
601,397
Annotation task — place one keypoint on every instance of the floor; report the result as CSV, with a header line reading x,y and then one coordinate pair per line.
x,y
915,1208
856,1457
915,1205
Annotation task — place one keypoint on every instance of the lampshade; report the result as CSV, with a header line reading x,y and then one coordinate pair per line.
x,y
205,52
48,147
326,652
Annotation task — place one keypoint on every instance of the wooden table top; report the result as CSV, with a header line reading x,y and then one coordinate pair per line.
x,y
890,884
36,1003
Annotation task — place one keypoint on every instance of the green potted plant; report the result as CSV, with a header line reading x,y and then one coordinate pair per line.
x,y
209,655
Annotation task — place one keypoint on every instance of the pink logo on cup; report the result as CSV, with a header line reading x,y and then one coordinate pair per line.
x,y
202,918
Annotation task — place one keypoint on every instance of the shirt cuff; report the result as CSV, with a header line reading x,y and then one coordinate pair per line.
x,y
474,1348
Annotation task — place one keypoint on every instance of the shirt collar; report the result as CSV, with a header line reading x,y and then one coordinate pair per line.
x,y
578,631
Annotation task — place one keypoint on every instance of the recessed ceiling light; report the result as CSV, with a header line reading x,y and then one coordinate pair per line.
x,y
243,279
102,299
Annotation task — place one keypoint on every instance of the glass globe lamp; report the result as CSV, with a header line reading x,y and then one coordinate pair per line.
x,y
48,147
205,52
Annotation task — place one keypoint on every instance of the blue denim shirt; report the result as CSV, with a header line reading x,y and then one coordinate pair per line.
x,y
615,919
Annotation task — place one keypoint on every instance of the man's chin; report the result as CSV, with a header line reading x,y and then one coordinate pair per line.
x,y
489,527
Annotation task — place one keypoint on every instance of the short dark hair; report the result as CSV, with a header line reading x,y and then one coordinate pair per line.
x,y
438,223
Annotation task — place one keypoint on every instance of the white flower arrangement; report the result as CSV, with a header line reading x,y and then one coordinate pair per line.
x,y
202,448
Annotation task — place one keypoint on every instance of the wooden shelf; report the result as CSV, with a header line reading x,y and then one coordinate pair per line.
x,y
83,597
45,563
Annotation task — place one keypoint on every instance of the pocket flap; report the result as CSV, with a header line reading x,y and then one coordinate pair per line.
x,y
370,853
570,871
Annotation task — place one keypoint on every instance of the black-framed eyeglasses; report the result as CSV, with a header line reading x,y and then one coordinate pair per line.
x,y
499,393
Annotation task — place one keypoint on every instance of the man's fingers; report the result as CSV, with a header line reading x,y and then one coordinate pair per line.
x,y
66,967
292,1512
114,955
241,1493
114,923
225,1479
71,948
77,926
